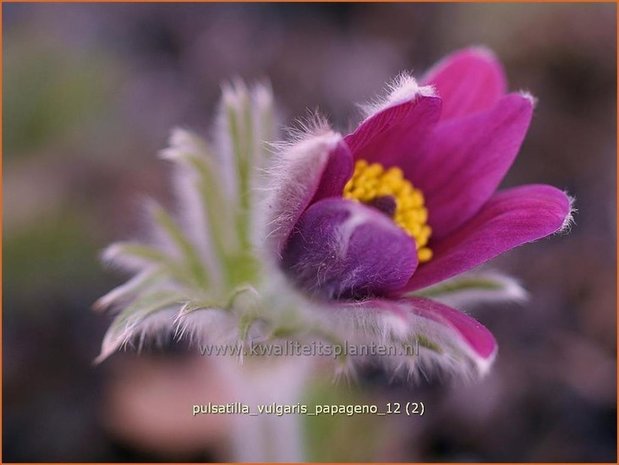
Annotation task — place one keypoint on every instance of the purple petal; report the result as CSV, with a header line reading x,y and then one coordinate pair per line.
x,y
473,333
510,218
453,335
468,81
344,249
398,128
336,173
312,169
467,158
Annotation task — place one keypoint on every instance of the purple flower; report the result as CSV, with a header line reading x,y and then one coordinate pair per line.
x,y
362,222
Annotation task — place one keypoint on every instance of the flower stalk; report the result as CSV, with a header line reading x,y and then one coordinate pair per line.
x,y
268,437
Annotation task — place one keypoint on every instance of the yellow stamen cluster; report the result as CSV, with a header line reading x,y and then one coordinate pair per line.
x,y
372,181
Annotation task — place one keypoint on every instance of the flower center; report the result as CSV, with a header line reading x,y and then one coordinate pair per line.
x,y
389,192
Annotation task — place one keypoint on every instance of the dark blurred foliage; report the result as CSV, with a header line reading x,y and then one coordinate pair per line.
x,y
90,93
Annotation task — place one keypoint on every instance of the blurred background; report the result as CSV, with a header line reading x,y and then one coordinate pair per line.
x,y
90,94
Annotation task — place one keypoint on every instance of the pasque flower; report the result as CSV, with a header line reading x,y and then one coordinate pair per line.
x,y
409,199
357,238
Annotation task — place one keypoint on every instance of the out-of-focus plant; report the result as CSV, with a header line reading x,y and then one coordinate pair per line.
x,y
359,239
51,90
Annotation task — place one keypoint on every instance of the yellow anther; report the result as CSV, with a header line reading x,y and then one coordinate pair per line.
x,y
383,190
413,228
370,181
358,192
424,255
417,199
393,175
423,215
373,170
